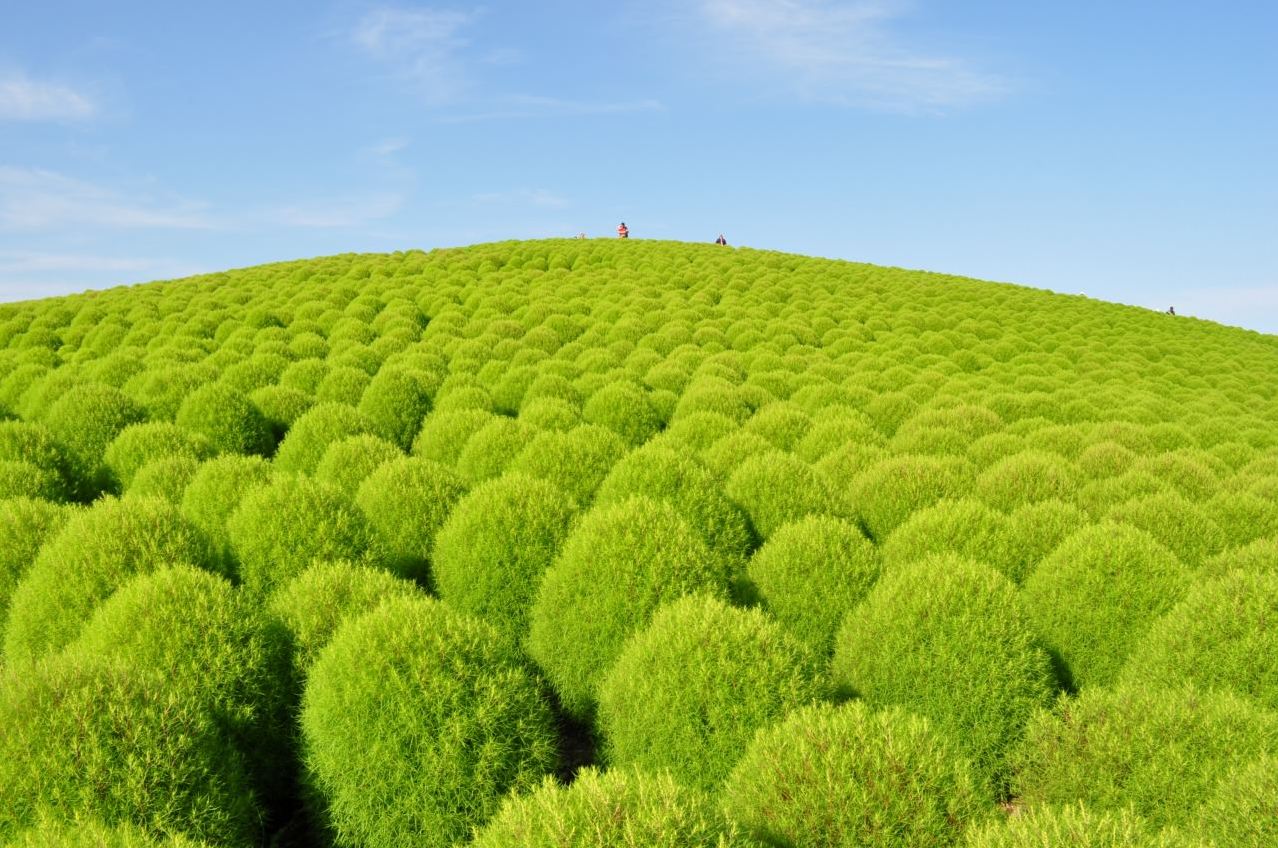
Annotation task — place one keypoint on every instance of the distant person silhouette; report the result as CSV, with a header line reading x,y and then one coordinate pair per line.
x,y
721,240
623,231
1171,310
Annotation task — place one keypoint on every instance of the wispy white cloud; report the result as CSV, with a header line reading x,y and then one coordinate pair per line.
x,y
538,197
36,199
387,147
25,99
420,45
524,106
845,52
340,212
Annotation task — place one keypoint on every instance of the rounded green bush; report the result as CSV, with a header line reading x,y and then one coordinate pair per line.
x,y
348,463
848,776
1075,826
1242,517
948,639
140,444
550,413
281,407
1259,556
24,480
688,691
810,573
700,430
965,527
618,565
342,384
1175,523
777,488
783,424
215,492
493,448
1097,594
1033,531
416,720
727,454
1243,810
661,473
152,759
395,402
576,461
90,833
165,478
314,604
625,409
490,555
98,550
406,502
33,444
444,434
829,434
1026,478
25,525
1157,751
205,640
280,527
227,419
311,435
85,420
1221,636
619,807
890,491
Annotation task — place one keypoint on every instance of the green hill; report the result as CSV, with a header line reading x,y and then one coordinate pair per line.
x,y
384,549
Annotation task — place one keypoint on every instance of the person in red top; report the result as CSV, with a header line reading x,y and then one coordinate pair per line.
x,y
623,231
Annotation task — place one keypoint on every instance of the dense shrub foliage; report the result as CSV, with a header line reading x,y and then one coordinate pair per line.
x,y
847,775
96,552
314,604
1094,597
1076,826
947,638
156,759
416,720
816,557
618,565
1158,751
602,810
965,495
281,527
498,542
24,525
405,502
215,492
1223,635
688,692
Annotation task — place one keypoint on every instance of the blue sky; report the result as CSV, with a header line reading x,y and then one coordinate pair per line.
x,y
1128,151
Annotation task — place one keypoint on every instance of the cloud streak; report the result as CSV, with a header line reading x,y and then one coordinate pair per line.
x,y
525,107
846,53
24,99
36,199
421,46
339,213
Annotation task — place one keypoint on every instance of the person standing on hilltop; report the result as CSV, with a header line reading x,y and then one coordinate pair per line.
x,y
721,240
623,231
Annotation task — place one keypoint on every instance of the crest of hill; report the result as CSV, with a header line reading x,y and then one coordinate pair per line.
x,y
924,291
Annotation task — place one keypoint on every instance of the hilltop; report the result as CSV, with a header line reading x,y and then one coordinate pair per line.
x,y
677,543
